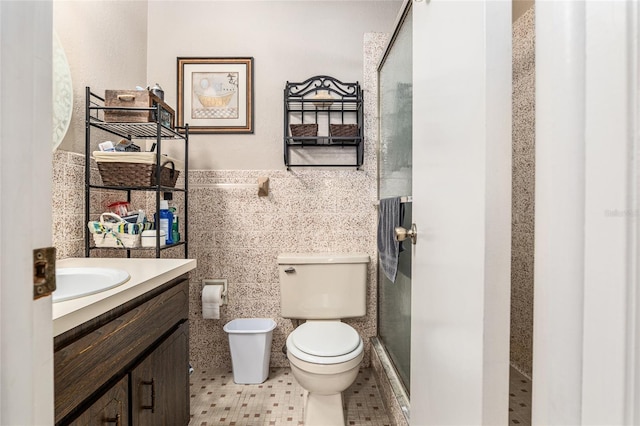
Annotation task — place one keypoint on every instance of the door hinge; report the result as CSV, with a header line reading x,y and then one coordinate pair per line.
x,y
44,272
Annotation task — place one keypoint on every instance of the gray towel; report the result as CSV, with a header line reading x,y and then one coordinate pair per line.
x,y
389,216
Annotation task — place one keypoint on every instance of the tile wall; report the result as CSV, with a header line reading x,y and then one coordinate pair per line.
x,y
68,204
235,234
523,217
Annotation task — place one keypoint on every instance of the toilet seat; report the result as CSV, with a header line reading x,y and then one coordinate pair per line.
x,y
325,342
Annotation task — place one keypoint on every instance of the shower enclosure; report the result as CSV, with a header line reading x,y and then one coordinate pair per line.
x,y
394,180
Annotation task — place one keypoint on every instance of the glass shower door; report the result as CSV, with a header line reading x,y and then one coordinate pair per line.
x,y
394,180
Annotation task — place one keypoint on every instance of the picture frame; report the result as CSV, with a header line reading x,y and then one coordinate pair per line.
x,y
215,95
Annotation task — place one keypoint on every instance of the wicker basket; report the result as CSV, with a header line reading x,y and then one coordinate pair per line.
x,y
304,130
137,174
342,131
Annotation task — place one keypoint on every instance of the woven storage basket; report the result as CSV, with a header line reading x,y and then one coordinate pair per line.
x,y
119,234
137,174
304,130
342,131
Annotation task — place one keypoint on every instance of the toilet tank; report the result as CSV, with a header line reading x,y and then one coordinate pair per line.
x,y
323,285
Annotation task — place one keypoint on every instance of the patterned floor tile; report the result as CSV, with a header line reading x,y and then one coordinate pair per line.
x,y
217,400
519,399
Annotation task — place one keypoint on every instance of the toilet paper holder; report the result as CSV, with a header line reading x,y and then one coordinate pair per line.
x,y
217,281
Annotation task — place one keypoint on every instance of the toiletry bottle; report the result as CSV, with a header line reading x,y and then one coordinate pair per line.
x,y
175,228
166,221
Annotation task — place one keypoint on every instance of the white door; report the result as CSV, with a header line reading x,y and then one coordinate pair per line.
x,y
462,209
26,332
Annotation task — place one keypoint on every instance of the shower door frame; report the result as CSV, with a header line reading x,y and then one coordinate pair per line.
x,y
405,256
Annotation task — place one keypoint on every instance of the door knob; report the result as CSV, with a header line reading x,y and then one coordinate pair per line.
x,y
402,233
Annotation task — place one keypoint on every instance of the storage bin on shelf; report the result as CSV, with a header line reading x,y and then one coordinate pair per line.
x,y
119,234
136,99
304,130
341,131
136,168
149,238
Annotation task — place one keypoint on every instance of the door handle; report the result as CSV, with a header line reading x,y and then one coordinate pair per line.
x,y
402,234
151,407
290,270
115,420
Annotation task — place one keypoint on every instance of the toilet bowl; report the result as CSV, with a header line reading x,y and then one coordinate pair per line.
x,y
324,353
325,357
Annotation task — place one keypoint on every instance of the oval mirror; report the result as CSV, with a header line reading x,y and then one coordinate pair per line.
x,y
62,92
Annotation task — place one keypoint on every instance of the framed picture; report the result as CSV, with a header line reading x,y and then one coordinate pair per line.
x,y
215,95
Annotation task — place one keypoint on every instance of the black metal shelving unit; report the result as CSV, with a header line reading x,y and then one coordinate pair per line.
x,y
94,118
344,107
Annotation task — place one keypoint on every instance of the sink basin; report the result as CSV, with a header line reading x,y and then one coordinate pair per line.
x,y
72,283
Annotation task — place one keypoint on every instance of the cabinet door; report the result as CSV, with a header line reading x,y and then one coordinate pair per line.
x,y
160,384
111,409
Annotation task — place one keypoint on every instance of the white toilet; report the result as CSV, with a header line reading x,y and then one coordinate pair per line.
x,y
324,353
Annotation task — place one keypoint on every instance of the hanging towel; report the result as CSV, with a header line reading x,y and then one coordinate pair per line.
x,y
390,215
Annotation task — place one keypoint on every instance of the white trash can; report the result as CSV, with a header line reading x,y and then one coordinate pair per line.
x,y
250,344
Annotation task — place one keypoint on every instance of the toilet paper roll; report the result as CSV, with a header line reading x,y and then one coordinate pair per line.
x,y
211,300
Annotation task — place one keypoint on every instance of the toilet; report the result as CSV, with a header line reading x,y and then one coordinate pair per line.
x,y
324,353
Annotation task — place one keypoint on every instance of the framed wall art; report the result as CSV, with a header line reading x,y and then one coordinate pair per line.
x,y
215,95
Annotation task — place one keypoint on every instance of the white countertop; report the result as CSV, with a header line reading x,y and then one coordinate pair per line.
x,y
146,274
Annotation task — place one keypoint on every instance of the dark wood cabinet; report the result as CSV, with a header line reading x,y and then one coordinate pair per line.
x,y
111,409
160,384
128,366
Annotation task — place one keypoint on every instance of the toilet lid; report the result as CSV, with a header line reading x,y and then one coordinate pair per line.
x,y
325,338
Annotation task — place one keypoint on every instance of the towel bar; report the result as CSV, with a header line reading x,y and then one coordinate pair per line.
x,y
262,186
403,199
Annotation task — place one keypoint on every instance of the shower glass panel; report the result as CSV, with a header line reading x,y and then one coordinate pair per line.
x,y
395,104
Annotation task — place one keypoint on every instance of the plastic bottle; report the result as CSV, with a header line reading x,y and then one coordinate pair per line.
x,y
166,221
176,225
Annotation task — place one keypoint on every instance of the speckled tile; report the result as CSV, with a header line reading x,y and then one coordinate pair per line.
x,y
67,199
523,181
260,233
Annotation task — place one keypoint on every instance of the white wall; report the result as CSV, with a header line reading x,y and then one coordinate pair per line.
x,y
290,40
106,46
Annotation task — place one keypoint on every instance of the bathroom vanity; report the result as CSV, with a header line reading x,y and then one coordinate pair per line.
x,y
121,356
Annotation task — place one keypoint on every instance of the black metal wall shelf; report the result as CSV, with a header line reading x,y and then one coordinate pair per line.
x,y
308,102
94,118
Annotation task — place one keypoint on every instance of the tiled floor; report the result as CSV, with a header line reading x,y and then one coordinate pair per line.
x,y
217,400
519,399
